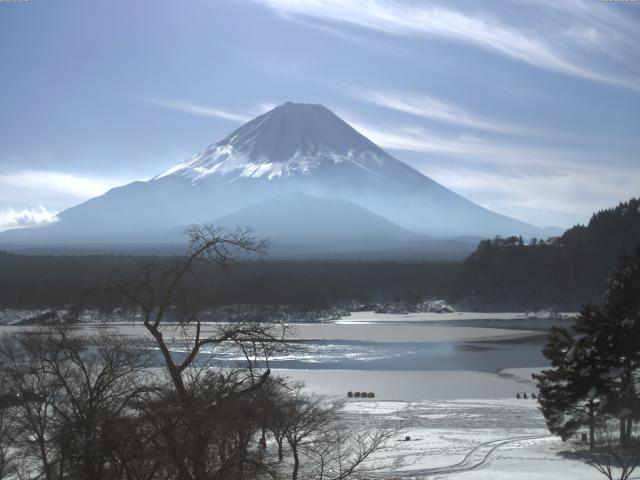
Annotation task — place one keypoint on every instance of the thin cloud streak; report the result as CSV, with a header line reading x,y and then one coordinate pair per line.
x,y
198,109
57,182
510,178
467,148
432,108
568,194
393,17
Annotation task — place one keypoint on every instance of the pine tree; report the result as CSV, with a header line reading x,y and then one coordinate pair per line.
x,y
622,307
575,391
595,364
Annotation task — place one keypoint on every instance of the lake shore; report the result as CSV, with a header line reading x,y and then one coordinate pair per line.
x,y
409,385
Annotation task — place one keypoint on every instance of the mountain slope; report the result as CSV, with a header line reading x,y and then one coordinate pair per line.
x,y
301,225
302,216
294,148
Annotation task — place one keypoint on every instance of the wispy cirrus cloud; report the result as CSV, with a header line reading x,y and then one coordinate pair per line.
x,y
426,106
570,195
198,109
77,186
467,148
11,218
552,45
539,184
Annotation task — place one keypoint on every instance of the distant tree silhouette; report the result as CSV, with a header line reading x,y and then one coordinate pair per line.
x,y
564,273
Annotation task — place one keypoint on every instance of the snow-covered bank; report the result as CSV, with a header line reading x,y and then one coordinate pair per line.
x,y
522,375
373,317
334,331
410,385
403,333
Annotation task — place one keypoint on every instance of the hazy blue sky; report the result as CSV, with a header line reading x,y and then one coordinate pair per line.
x,y
530,108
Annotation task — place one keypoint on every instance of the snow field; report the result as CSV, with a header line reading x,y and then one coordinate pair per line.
x,y
467,439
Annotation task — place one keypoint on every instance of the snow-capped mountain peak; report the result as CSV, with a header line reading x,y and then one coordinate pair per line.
x,y
292,139
292,150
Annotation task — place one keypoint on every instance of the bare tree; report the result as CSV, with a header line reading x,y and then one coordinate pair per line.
x,y
68,390
197,404
153,291
8,455
276,406
84,409
305,421
32,410
133,447
614,460
322,446
341,454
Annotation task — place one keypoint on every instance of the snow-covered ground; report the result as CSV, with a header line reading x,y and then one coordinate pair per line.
x,y
467,439
461,424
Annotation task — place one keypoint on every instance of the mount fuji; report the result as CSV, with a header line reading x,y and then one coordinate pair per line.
x,y
296,166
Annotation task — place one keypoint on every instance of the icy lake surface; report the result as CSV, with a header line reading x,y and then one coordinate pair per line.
x,y
485,356
414,342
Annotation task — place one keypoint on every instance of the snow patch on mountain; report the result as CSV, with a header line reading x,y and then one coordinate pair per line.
x,y
225,160
301,147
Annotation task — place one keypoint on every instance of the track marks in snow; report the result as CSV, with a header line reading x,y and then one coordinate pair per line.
x,y
467,432
477,458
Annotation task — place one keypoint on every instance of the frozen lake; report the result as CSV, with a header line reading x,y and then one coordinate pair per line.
x,y
416,342
483,356
460,341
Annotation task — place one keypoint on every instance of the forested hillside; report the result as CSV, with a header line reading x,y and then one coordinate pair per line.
x,y
43,281
502,274
560,272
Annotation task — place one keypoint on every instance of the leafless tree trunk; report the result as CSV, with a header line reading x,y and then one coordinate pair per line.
x,y
153,292
304,421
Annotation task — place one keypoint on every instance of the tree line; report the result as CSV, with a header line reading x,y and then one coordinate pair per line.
x,y
47,281
501,274
561,272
